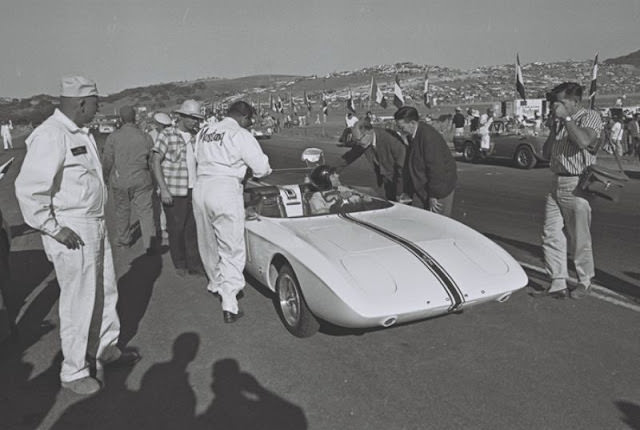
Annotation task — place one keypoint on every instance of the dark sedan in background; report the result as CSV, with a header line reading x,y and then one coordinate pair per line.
x,y
522,147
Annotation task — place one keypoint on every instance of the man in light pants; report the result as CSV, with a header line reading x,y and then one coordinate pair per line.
x,y
571,147
61,192
224,151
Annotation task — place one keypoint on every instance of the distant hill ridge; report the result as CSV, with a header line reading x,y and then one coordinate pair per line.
x,y
617,76
632,59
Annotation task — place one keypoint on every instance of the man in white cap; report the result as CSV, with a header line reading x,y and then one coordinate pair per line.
x,y
160,121
61,192
174,170
224,152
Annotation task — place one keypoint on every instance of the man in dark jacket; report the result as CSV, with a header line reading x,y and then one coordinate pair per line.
x,y
432,169
386,153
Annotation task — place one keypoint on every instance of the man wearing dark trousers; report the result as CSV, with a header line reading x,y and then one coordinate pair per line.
x,y
432,168
125,163
386,153
174,170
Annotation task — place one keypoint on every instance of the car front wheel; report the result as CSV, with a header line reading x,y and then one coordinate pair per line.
x,y
524,158
292,308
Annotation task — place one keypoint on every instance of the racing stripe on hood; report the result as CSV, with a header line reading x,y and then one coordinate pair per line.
x,y
450,287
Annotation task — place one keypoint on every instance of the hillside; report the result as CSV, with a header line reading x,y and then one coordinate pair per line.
x,y
448,86
632,59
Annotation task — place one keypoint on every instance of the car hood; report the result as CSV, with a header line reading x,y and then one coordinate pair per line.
x,y
381,260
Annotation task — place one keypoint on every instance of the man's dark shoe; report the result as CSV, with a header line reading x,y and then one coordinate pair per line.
x,y
230,317
580,292
126,359
561,294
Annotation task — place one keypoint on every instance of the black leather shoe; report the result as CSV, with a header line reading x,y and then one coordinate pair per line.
x,y
230,317
126,359
561,294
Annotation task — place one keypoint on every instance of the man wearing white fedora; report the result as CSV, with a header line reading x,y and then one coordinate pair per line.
x,y
174,170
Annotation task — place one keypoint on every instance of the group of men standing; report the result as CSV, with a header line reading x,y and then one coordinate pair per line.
x,y
199,175
412,165
62,192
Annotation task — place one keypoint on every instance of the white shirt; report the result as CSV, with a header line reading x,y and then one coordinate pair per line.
x,y
351,121
191,160
226,149
616,131
61,175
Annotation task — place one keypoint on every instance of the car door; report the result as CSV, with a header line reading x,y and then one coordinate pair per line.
x,y
499,139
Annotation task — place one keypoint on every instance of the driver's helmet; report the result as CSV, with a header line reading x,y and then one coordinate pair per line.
x,y
320,177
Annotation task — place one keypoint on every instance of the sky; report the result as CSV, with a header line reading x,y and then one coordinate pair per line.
x,y
123,44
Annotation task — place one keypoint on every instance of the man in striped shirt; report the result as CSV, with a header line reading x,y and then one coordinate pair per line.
x,y
571,147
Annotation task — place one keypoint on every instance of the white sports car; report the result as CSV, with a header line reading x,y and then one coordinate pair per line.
x,y
373,265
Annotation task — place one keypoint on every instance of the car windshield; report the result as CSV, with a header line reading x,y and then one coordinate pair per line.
x,y
270,199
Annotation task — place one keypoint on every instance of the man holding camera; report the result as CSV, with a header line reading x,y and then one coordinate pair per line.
x,y
570,147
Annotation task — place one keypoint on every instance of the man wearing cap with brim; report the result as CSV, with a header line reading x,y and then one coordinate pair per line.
x,y
174,170
161,121
61,192
126,160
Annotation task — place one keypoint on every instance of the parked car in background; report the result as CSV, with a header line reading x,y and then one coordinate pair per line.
x,y
509,143
105,124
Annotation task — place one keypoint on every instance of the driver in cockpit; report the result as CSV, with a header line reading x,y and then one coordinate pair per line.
x,y
330,196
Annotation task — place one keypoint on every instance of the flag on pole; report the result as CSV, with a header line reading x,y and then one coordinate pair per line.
x,y
398,98
272,106
376,93
325,106
351,107
519,80
307,102
594,79
425,93
5,167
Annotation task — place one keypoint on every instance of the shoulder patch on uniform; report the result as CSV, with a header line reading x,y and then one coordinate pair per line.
x,y
78,150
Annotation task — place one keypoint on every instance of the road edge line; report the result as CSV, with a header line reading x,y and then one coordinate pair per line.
x,y
597,291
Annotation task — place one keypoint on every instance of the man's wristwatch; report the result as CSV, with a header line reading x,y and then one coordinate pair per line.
x,y
568,119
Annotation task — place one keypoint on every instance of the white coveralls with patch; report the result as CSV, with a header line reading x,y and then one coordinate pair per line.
x,y
223,152
60,185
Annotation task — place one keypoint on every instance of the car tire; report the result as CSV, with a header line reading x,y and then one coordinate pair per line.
x,y
524,158
469,153
291,306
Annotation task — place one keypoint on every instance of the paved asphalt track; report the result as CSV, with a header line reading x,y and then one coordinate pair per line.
x,y
525,364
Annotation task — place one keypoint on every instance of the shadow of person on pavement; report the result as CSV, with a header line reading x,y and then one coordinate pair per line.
x,y
134,293
165,399
24,399
631,413
602,278
28,270
113,407
242,403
